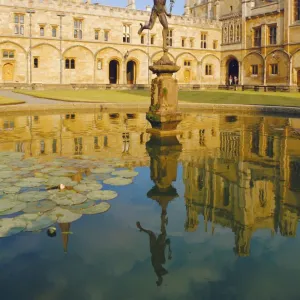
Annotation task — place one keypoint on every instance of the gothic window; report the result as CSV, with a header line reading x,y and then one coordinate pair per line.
x,y
183,42
238,32
77,29
254,69
142,39
36,62
8,54
19,24
215,44
274,69
272,34
97,34
208,70
203,41
297,10
70,63
106,34
126,33
257,37
231,34
170,38
42,30
54,31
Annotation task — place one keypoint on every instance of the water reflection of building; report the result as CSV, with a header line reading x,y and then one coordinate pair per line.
x,y
239,172
251,184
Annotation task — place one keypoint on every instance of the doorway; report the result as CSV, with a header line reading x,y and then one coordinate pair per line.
x,y
298,78
7,72
187,76
233,70
113,72
131,72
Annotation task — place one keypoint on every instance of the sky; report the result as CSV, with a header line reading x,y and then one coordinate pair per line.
x,y
141,4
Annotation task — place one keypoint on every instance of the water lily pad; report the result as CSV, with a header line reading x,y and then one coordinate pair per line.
x,y
29,217
67,198
32,196
18,207
63,173
96,209
64,215
77,208
6,174
102,195
31,182
48,170
125,173
11,190
84,187
117,181
11,180
35,167
11,226
7,203
56,181
102,170
40,223
39,207
98,176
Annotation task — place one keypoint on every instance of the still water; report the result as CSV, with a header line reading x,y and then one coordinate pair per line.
x,y
210,214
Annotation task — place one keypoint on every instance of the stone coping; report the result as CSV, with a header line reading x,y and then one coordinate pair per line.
x,y
143,107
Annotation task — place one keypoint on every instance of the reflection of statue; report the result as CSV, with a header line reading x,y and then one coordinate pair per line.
x,y
157,249
158,10
164,153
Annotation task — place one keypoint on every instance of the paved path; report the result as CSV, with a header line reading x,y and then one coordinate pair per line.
x,y
27,99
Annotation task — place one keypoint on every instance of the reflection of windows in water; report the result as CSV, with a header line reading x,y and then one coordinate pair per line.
x,y
125,148
42,147
105,144
294,176
9,125
70,116
54,146
96,142
231,119
230,143
78,146
142,138
226,194
200,181
213,132
202,137
99,117
36,118
262,199
270,146
20,147
190,134
255,142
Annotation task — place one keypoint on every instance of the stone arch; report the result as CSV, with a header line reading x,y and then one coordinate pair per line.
x,y
161,52
47,59
108,48
183,53
75,46
295,65
280,58
19,65
142,60
225,65
253,68
188,73
84,61
210,69
210,54
44,44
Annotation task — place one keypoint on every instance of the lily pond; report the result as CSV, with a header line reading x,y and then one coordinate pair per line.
x,y
94,207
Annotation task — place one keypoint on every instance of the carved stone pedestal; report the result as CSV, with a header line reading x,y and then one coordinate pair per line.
x,y
163,113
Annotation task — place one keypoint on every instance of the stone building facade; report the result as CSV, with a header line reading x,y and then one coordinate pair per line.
x,y
77,42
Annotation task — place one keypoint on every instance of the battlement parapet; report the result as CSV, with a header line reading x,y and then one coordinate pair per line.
x,y
104,11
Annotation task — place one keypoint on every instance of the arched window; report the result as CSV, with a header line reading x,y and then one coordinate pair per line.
x,y
35,62
72,63
297,10
231,34
67,64
238,32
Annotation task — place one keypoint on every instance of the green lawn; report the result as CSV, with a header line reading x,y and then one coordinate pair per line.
x,y
138,96
9,101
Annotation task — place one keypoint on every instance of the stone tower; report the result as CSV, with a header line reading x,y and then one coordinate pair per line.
x,y
131,4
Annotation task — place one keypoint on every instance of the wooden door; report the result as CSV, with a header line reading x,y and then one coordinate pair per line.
x,y
7,72
187,76
298,78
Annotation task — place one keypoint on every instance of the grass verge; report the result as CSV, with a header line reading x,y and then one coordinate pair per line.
x,y
135,96
9,101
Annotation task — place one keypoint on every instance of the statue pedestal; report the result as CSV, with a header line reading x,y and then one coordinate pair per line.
x,y
163,113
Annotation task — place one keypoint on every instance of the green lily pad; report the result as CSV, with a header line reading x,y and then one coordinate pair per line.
x,y
64,215
96,209
102,170
32,196
98,176
102,195
63,173
11,226
31,182
125,173
79,207
7,203
56,181
11,190
118,181
18,207
48,170
67,197
39,207
40,223
6,174
84,187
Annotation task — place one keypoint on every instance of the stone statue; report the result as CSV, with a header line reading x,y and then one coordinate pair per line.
x,y
158,10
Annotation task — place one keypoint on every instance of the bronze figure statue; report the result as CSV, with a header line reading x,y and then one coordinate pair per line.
x,y
159,10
